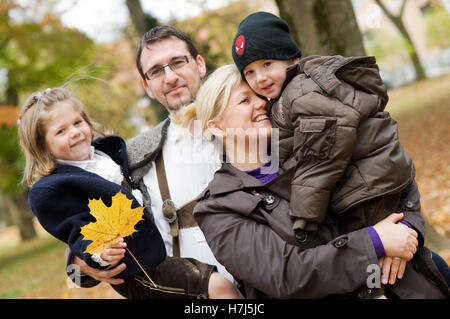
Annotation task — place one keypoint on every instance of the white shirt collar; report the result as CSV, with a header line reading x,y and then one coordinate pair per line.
x,y
100,164
80,164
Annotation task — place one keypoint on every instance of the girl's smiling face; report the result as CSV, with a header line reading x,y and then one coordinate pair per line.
x,y
68,136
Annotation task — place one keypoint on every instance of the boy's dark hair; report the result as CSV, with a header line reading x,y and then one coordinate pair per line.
x,y
160,33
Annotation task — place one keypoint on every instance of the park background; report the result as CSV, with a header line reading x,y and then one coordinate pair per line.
x,y
89,46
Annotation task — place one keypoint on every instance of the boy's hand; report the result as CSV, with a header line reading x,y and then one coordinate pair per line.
x,y
115,252
391,269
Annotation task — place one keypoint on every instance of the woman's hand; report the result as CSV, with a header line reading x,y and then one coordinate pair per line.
x,y
392,268
398,239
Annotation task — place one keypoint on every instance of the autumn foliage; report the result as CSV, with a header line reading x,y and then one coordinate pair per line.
x,y
117,220
8,115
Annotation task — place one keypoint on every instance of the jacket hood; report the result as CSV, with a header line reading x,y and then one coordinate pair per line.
x,y
323,69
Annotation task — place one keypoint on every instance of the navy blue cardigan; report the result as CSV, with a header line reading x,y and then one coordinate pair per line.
x,y
60,201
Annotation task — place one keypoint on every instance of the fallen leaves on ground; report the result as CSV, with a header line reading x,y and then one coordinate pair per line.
x,y
422,111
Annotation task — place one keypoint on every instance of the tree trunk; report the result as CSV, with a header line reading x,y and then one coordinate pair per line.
x,y
323,27
142,21
412,52
137,16
12,97
420,72
17,209
5,217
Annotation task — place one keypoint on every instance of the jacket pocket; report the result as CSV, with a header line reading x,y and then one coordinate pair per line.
x,y
315,137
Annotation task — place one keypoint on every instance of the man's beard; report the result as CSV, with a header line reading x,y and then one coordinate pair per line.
x,y
176,106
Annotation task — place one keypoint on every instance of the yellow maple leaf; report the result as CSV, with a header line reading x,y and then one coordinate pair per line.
x,y
112,222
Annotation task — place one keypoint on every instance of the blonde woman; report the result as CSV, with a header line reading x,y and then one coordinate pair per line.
x,y
244,214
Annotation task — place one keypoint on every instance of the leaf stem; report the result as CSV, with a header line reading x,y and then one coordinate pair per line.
x,y
141,268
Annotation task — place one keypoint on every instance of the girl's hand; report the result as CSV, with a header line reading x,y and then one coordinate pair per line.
x,y
398,239
391,269
115,252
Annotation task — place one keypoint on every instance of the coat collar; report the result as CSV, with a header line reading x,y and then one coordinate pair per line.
x,y
71,170
143,149
228,178
322,69
115,147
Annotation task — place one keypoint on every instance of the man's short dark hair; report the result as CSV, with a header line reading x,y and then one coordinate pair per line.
x,y
160,33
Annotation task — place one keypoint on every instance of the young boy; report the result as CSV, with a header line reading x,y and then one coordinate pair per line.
x,y
333,131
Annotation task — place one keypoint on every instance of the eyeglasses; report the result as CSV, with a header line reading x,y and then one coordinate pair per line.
x,y
175,64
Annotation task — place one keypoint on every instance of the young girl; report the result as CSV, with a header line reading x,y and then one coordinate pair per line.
x,y
65,167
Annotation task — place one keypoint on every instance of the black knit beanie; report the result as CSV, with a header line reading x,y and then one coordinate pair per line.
x,y
263,35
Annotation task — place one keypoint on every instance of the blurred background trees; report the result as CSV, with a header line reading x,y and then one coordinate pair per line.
x,y
397,20
319,25
37,51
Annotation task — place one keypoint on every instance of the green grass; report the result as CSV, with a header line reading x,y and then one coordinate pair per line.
x,y
31,268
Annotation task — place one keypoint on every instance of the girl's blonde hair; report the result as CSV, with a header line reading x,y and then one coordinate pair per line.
x,y
212,99
31,126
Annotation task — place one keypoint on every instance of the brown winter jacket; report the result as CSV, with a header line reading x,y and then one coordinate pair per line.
x,y
247,225
333,130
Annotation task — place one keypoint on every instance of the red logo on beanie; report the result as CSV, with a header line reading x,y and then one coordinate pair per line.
x,y
239,45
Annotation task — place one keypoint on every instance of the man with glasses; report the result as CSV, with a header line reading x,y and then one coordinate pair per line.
x,y
172,84
162,166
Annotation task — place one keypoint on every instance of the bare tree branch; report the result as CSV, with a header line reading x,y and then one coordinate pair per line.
x,y
402,8
398,22
385,10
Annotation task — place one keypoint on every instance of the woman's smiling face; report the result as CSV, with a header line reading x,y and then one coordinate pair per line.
x,y
245,112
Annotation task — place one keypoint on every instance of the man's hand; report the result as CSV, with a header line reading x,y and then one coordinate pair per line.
x,y
100,275
398,239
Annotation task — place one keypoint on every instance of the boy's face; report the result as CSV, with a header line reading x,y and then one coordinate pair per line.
x,y
266,77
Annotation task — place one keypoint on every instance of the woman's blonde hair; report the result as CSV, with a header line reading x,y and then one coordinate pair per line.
x,y
212,98
39,162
